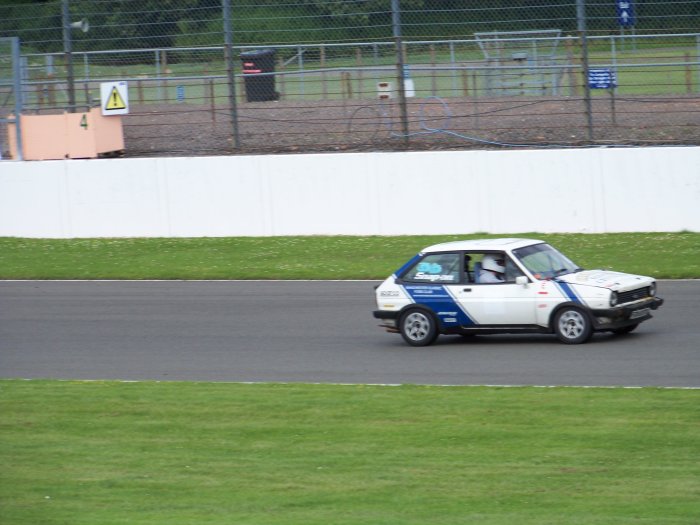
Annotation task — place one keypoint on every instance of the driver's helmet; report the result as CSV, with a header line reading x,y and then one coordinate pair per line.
x,y
495,263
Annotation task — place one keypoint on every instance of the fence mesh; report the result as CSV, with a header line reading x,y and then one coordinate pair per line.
x,y
313,75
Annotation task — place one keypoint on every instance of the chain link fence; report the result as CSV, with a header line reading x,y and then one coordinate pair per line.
x,y
220,77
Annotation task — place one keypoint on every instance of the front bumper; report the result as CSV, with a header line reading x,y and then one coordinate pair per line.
x,y
385,314
625,315
388,318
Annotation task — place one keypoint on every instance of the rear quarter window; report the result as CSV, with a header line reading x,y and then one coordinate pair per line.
x,y
435,268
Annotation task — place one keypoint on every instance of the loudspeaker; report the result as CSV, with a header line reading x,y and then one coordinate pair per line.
x,y
83,25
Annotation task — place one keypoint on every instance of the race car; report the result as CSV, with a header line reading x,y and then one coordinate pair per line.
x,y
496,286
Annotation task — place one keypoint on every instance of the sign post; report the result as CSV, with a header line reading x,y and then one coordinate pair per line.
x,y
604,78
625,13
626,17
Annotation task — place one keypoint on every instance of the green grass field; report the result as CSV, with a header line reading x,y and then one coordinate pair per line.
x,y
661,255
105,453
193,70
152,453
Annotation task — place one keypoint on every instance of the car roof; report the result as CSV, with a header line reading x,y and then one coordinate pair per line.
x,y
505,244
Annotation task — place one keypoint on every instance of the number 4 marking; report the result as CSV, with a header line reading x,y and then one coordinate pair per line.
x,y
83,122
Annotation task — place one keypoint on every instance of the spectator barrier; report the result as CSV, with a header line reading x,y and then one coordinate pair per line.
x,y
450,192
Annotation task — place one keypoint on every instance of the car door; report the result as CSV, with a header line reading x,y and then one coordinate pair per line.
x,y
431,281
505,303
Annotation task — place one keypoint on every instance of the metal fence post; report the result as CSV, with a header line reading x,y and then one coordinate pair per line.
x,y
228,56
697,57
68,51
17,86
581,18
396,25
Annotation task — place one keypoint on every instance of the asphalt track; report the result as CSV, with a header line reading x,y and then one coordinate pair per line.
x,y
309,332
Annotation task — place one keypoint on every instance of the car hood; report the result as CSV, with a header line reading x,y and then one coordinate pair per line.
x,y
617,281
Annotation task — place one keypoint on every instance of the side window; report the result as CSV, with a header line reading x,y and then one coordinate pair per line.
x,y
481,263
439,268
512,271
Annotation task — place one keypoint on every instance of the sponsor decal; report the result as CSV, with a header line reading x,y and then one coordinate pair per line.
x,y
426,267
439,299
422,276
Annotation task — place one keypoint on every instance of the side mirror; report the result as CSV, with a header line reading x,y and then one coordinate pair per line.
x,y
522,280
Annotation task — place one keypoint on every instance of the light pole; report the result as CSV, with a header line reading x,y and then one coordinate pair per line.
x,y
68,51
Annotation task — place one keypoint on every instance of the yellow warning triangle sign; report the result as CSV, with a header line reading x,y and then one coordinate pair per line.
x,y
115,100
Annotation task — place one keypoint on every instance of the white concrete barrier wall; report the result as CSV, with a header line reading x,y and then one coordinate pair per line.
x,y
452,192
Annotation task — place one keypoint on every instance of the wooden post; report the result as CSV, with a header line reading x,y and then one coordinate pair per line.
x,y
52,91
476,105
465,83
212,101
688,75
41,89
433,79
573,77
358,61
282,83
241,89
324,85
346,84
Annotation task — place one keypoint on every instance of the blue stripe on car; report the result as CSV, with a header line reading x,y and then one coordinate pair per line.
x,y
568,291
439,299
410,263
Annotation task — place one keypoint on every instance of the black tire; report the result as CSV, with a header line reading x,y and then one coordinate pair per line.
x,y
573,326
418,327
625,330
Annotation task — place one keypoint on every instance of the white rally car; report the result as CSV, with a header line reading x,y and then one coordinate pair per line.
x,y
509,286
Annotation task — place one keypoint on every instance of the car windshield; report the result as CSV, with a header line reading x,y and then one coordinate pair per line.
x,y
544,262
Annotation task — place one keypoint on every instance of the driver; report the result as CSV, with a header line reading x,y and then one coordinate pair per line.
x,y
493,268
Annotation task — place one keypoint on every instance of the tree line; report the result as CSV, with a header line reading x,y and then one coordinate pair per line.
x,y
146,24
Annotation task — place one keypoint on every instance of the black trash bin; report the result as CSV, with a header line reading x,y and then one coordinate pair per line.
x,y
259,87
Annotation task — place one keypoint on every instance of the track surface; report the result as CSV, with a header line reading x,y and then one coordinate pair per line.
x,y
309,332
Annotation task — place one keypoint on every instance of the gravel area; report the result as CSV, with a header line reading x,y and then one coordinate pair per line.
x,y
359,125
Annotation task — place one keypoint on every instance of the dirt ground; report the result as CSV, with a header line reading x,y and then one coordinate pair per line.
x,y
361,125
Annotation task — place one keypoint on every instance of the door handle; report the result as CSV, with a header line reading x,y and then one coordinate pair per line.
x,y
467,290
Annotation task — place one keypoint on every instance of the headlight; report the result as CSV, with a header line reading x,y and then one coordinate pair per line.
x,y
613,298
652,289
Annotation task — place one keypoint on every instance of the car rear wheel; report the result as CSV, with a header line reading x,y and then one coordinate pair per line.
x,y
418,327
573,326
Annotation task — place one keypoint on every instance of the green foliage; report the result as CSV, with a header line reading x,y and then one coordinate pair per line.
x,y
141,24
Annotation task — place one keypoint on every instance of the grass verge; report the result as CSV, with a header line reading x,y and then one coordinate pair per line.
x,y
661,255
97,453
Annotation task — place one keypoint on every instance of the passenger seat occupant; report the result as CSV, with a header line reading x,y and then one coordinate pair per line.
x,y
492,269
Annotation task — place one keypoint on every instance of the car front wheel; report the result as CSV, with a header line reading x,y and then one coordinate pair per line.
x,y
418,328
573,326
